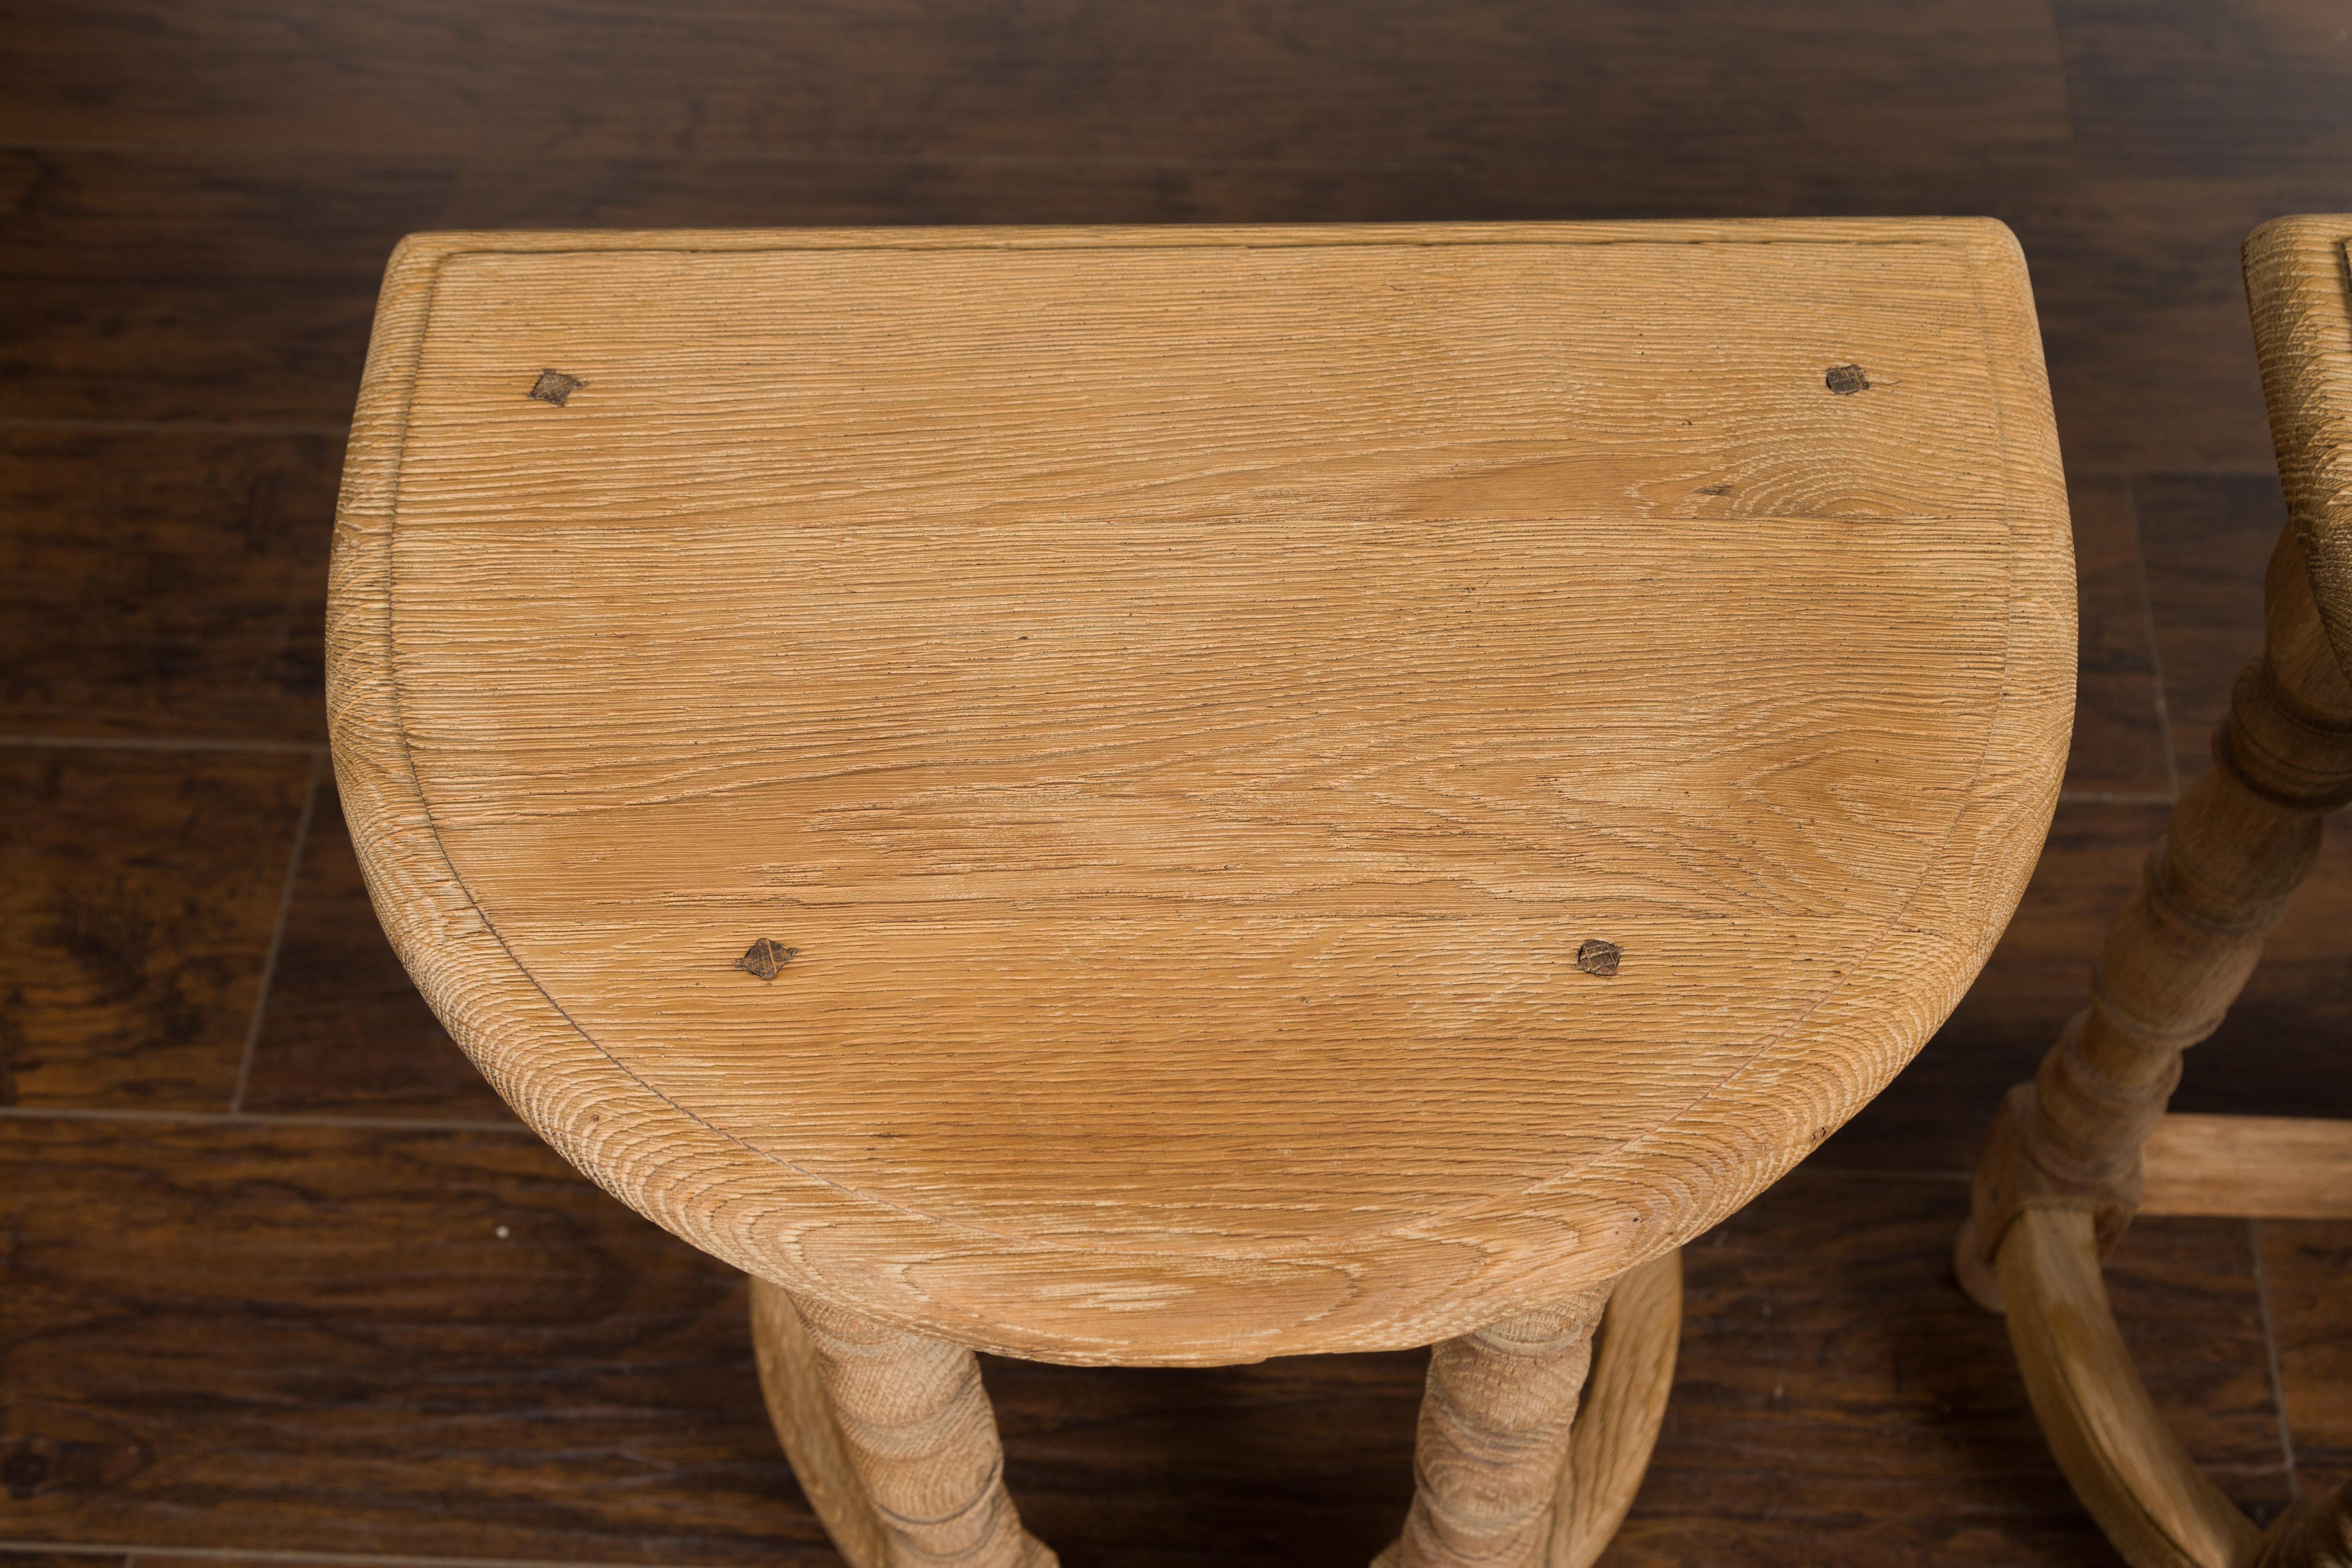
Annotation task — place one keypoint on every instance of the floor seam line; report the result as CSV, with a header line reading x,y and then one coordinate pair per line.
x,y
278,934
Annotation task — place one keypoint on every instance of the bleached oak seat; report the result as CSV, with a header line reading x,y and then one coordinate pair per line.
x,y
1178,796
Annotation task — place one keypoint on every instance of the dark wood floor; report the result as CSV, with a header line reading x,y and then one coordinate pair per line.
x,y
279,1277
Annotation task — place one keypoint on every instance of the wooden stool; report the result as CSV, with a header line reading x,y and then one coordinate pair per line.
x,y
2073,1155
1171,797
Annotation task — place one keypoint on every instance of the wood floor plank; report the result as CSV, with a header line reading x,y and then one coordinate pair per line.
x,y
2207,540
150,1559
2230,88
2186,1294
2143,309
2280,1051
157,285
1839,1402
214,282
2308,1266
2119,745
346,1033
139,895
164,584
1823,87
343,1340
237,282
218,1560
1301,1460
317,1337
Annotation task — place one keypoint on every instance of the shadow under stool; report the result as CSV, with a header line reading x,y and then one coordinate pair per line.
x,y
1171,797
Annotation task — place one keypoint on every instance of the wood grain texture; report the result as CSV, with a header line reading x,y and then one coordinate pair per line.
x,y
146,1559
409,1345
2138,283
2037,976
234,279
1837,1401
210,281
2295,283
2269,80
2208,539
1312,84
928,779
913,1427
2132,1473
1293,1460
1622,1406
2062,1171
1493,1438
316,1337
791,1383
165,283
2305,1266
157,583
2241,840
2254,1167
345,1033
139,895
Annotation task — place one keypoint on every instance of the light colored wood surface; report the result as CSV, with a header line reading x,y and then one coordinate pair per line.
x,y
1623,1405
2250,1167
1487,1430
2240,841
1615,1421
904,1437
2131,1472
2296,287
1186,697
891,1437
1493,1440
801,1411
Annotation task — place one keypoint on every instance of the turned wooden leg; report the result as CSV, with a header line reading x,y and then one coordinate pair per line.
x,y
2316,1533
891,1435
1620,1412
2240,841
1495,1432
2061,1172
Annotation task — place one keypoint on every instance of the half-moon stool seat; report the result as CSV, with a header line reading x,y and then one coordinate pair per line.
x,y
1172,796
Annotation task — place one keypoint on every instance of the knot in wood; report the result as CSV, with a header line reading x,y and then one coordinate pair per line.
x,y
764,958
1598,957
1845,380
554,386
